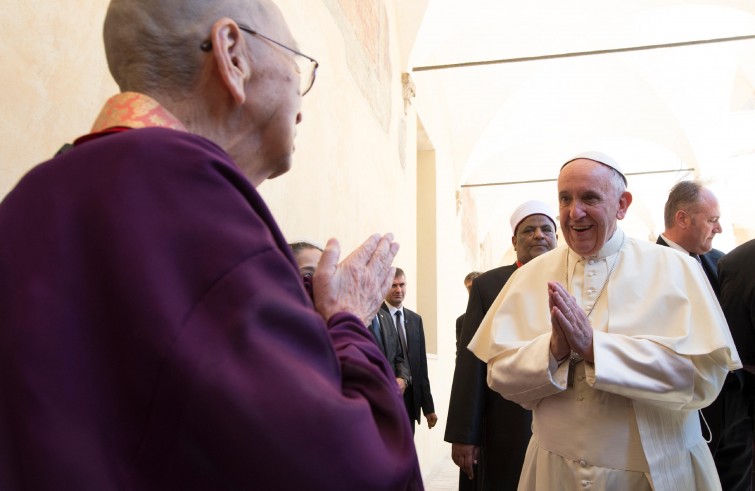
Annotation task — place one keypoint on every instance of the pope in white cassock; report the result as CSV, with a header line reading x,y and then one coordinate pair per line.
x,y
614,343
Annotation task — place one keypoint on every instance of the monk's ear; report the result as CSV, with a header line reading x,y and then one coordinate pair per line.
x,y
513,241
229,50
624,201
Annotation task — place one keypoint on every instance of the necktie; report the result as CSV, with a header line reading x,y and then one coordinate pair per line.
x,y
401,335
697,258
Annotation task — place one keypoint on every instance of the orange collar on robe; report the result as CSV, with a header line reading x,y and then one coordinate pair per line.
x,y
131,110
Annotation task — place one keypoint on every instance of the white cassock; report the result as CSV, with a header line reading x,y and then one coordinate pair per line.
x,y
662,351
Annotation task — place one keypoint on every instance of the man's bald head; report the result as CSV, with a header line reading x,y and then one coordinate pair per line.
x,y
216,77
153,46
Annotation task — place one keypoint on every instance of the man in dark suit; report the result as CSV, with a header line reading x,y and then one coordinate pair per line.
x,y
691,217
386,337
736,273
460,320
482,426
411,335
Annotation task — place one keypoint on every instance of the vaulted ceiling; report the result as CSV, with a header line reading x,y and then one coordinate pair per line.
x,y
514,88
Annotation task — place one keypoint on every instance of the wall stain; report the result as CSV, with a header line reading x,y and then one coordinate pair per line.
x,y
364,26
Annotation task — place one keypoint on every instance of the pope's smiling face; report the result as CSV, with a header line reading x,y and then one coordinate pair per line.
x,y
589,205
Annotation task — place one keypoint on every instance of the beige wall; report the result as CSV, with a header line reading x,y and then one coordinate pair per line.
x,y
54,79
427,259
354,171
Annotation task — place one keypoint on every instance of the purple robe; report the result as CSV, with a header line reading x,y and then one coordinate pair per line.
x,y
155,334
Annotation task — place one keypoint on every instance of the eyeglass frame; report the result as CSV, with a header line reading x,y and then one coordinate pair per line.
x,y
207,46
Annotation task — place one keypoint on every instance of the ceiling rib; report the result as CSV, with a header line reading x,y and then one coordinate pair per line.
x,y
680,44
534,181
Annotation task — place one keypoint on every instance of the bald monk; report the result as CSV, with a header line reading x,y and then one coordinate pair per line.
x,y
154,330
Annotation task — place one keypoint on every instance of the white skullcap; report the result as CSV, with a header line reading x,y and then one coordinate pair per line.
x,y
528,208
601,158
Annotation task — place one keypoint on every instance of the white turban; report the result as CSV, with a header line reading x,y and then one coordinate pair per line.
x,y
528,208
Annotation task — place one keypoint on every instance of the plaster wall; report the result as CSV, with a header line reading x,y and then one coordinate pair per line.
x,y
54,79
454,253
445,259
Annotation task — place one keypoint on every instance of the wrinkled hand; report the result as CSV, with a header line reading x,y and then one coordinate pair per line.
x,y
569,324
431,418
465,455
359,283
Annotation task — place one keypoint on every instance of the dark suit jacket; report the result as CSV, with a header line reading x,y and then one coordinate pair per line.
x,y
420,387
709,261
736,273
476,414
459,324
391,346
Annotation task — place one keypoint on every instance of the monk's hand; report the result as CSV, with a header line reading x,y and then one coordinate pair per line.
x,y
359,283
465,455
572,321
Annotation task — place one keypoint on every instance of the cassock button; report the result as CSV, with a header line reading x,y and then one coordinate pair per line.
x,y
580,397
581,378
591,261
583,464
591,291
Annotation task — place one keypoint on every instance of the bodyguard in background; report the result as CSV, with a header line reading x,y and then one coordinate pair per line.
x,y
691,216
411,333
387,339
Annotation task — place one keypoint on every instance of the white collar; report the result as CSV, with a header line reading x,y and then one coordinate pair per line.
x,y
610,248
674,245
393,309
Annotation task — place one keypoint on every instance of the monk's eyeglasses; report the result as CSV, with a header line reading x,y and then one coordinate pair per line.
x,y
307,66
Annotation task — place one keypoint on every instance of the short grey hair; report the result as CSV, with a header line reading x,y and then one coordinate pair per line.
x,y
617,180
684,195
